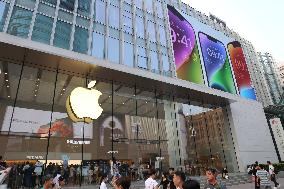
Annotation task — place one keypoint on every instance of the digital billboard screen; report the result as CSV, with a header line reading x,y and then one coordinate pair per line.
x,y
187,59
241,72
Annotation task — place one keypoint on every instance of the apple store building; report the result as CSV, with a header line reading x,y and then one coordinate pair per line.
x,y
144,82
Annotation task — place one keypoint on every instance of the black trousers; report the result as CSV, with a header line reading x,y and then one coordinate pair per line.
x,y
273,179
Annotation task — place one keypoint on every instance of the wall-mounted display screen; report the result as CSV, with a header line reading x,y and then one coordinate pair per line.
x,y
217,65
242,76
187,59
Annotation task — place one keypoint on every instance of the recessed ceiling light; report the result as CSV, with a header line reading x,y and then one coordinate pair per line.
x,y
7,80
8,86
35,94
6,73
63,89
8,96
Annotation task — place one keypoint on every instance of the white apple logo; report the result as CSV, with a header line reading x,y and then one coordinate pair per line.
x,y
83,104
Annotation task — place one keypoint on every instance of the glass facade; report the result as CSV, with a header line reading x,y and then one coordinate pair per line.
x,y
144,127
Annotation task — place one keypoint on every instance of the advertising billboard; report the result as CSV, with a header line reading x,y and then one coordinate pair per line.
x,y
241,72
37,122
187,59
201,52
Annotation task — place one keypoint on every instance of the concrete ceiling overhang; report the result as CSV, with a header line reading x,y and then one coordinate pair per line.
x,y
32,53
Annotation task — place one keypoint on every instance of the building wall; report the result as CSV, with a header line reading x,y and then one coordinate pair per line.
x,y
271,75
281,74
252,138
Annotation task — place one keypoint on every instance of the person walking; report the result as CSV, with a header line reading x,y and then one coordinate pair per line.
x,y
212,183
272,173
164,181
170,178
121,183
263,178
47,182
151,183
103,182
179,179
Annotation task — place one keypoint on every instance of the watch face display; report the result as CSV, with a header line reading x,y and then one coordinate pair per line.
x,y
187,60
216,64
241,71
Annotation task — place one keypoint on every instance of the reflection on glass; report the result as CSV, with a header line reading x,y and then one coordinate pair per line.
x,y
140,27
128,54
100,8
84,7
67,4
4,7
154,62
113,50
62,35
98,45
113,16
42,29
20,22
151,31
80,40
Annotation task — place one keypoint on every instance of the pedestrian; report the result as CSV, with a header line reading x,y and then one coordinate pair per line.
x,y
191,184
164,180
59,183
170,178
272,174
103,182
212,183
179,179
151,183
121,183
225,174
263,177
47,182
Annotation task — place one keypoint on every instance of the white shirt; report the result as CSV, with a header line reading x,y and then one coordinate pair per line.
x,y
271,169
103,185
150,183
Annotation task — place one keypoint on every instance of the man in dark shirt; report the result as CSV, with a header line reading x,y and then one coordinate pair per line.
x,y
212,182
170,178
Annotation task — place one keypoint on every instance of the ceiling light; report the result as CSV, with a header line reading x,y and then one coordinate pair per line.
x,y
63,89
6,73
38,79
35,94
8,86
7,80
8,96
122,102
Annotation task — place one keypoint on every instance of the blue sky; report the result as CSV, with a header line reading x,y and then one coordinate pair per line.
x,y
259,21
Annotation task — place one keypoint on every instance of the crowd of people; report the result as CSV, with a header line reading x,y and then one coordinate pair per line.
x,y
262,176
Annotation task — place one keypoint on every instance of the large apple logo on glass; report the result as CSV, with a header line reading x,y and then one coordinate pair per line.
x,y
83,104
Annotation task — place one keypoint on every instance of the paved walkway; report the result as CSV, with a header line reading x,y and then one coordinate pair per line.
x,y
251,185
241,186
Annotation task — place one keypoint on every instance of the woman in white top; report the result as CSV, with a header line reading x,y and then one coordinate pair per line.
x,y
103,182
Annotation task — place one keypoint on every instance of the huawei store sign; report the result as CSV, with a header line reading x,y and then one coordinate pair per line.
x,y
83,104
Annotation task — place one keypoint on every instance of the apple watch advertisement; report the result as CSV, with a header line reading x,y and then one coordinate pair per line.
x,y
217,65
187,60
242,75
38,124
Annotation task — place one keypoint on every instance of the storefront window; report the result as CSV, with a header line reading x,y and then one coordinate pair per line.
x,y
42,29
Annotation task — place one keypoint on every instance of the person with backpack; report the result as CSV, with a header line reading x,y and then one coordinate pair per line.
x,y
272,173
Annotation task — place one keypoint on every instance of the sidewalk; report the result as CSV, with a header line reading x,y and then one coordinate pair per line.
x,y
251,185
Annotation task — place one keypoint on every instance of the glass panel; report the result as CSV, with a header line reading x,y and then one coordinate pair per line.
x,y
65,144
63,15
98,45
166,65
62,35
159,9
20,22
46,9
113,50
162,35
138,3
4,7
80,40
67,4
53,2
128,54
127,22
154,62
149,5
114,16
151,31
100,11
140,27
42,29
84,7
27,3
82,22
142,59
